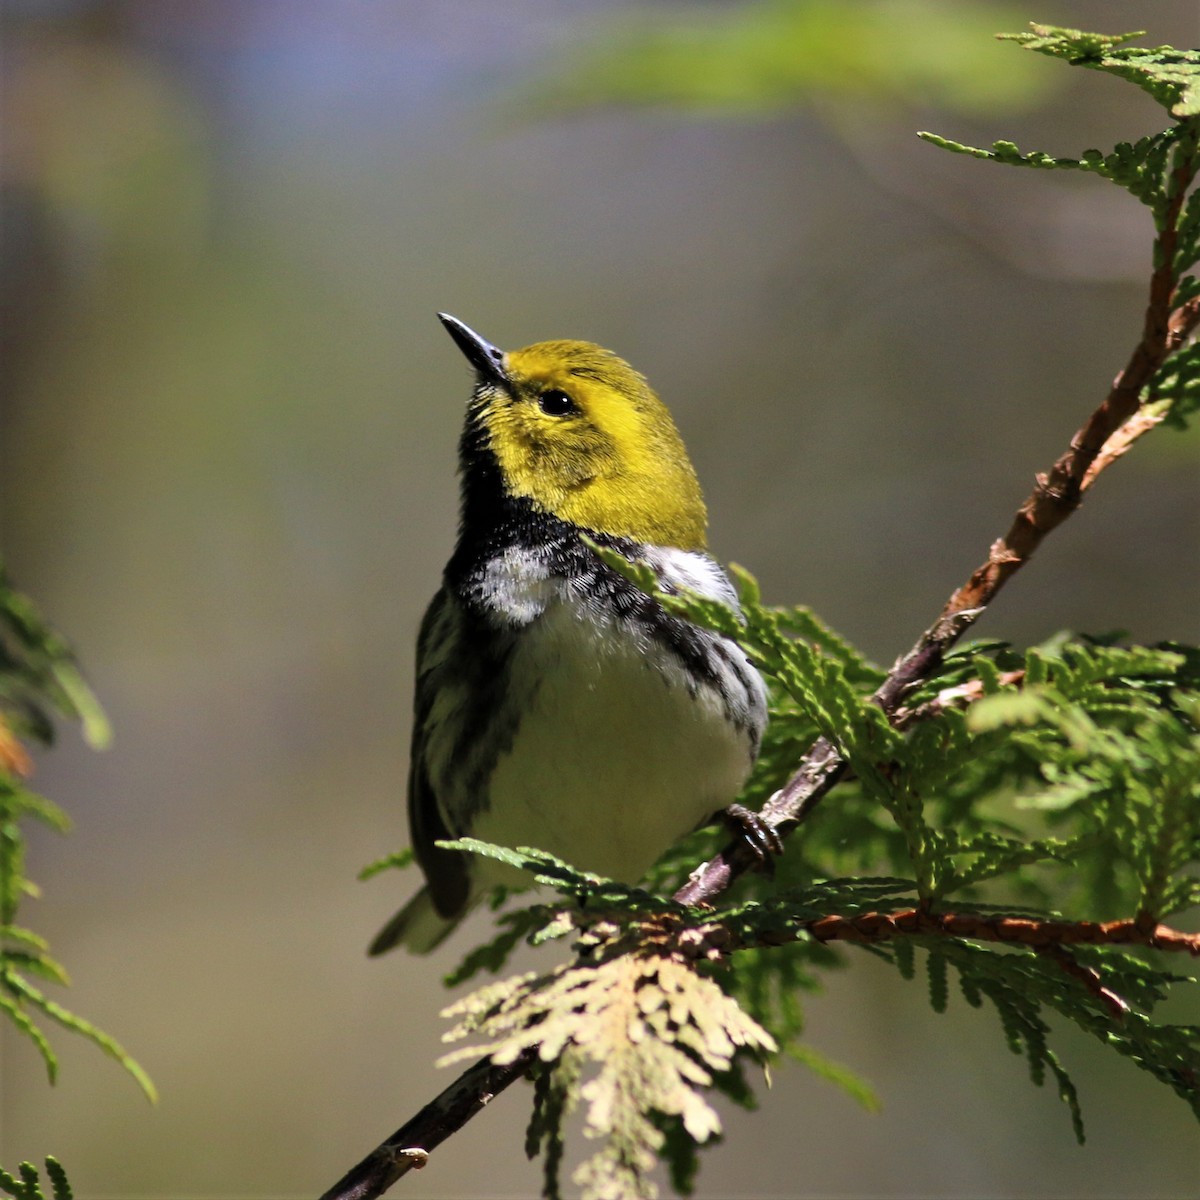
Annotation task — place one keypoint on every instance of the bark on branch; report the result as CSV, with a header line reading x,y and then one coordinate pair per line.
x,y
1023,931
409,1147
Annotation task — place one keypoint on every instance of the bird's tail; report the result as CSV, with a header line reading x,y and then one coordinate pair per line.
x,y
418,926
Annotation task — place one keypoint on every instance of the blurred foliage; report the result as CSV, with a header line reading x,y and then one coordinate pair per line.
x,y
772,54
1015,788
26,1185
38,677
111,147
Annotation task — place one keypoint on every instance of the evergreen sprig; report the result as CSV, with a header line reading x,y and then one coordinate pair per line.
x,y
27,1185
38,679
1170,76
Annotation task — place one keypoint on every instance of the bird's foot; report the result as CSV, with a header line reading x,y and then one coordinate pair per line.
x,y
765,844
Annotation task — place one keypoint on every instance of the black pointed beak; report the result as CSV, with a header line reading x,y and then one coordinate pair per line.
x,y
487,359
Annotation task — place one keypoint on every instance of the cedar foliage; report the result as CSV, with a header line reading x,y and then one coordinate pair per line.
x,y
27,1184
38,680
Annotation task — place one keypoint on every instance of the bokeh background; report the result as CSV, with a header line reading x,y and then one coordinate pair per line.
x,y
226,471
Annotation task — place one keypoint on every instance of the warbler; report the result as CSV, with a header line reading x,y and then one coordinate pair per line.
x,y
557,705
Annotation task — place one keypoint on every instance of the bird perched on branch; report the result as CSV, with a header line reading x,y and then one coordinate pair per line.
x,y
557,705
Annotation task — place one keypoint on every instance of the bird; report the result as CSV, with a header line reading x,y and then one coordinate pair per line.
x,y
557,705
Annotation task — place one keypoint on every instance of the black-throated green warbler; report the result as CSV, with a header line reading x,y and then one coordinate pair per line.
x,y
557,705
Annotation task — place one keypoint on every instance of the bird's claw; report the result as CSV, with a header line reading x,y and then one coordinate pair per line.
x,y
763,841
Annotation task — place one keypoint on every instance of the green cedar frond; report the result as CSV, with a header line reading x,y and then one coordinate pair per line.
x,y
1176,387
1138,167
1171,76
26,1025
58,1179
24,995
37,964
28,1186
801,622
857,1089
38,676
1155,168
400,860
23,937
1021,985
553,872
19,802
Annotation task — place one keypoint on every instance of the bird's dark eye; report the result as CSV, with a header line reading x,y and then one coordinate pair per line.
x,y
556,404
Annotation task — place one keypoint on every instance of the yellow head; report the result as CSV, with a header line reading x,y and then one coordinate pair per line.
x,y
578,432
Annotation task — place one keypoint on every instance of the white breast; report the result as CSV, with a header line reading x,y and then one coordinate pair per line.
x,y
618,751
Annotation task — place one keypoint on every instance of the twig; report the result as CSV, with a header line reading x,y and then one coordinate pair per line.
x,y
1089,977
1025,931
408,1148
715,938
949,698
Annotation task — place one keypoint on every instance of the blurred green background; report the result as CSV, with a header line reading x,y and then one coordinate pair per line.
x,y
226,471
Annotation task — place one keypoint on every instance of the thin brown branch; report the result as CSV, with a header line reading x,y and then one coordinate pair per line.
x,y
1024,931
1122,440
1048,936
959,696
408,1148
1089,977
